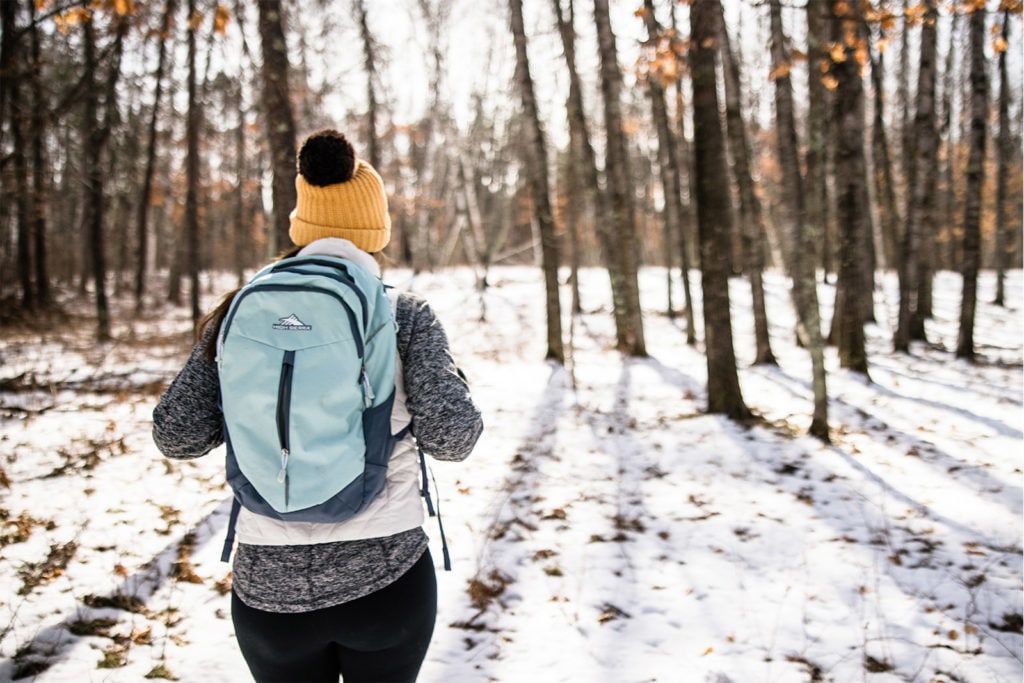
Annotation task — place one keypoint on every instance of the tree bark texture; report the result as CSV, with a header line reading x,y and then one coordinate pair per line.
x,y
850,178
922,178
630,338
806,235
818,132
1004,149
713,212
537,165
192,123
975,184
583,148
369,65
142,219
885,181
751,217
280,120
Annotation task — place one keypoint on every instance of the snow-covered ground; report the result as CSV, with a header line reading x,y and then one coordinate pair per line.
x,y
605,528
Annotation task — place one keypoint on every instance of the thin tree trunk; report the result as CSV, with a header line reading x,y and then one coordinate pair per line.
x,y
280,120
885,183
948,197
975,185
848,123
687,220
818,132
806,234
141,224
192,172
922,178
630,338
584,149
1005,152
537,163
97,133
713,214
751,218
369,65
22,214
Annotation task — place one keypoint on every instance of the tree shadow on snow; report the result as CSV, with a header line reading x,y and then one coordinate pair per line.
x,y
51,644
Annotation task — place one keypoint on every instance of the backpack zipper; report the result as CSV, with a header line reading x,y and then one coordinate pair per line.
x,y
284,400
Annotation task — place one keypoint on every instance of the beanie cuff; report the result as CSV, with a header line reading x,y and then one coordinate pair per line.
x,y
370,240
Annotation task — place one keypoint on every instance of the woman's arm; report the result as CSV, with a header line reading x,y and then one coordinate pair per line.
x,y
445,421
187,422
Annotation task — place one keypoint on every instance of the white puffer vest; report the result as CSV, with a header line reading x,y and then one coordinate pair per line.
x,y
398,507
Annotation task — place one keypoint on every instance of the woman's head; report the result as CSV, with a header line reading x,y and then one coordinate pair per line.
x,y
339,195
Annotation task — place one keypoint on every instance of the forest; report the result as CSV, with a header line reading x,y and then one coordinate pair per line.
x,y
737,285
146,143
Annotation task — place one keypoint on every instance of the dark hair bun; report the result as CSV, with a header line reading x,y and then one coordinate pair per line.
x,y
326,158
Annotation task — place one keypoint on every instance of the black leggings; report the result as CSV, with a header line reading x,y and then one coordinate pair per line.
x,y
380,637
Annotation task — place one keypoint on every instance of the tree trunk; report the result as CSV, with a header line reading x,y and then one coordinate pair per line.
x,y
806,234
947,215
687,219
192,172
850,173
98,131
40,193
280,121
1005,158
369,65
537,165
141,224
583,148
885,182
818,133
975,184
922,178
713,214
751,218
630,338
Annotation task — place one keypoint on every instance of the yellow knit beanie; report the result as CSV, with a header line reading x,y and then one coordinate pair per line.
x,y
338,195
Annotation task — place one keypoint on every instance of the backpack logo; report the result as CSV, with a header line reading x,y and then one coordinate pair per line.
x,y
291,322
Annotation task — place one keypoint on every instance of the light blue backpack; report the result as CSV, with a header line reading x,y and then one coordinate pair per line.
x,y
306,359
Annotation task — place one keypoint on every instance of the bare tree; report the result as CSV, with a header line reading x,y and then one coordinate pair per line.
x,y
751,218
98,129
853,289
1005,151
975,183
884,179
630,329
38,123
192,124
806,234
369,64
724,395
141,227
280,121
818,132
921,183
537,165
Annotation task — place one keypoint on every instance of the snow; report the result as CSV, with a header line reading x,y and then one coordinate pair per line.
x,y
604,529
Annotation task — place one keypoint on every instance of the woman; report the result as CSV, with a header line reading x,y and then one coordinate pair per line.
x,y
357,598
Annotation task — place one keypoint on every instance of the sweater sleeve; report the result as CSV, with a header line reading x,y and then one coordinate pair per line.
x,y
445,421
187,421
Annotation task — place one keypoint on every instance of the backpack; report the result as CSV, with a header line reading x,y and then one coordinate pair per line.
x,y
306,361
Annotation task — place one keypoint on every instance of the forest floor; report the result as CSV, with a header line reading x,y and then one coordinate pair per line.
x,y
604,529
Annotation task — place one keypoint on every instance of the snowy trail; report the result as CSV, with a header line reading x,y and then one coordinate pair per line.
x,y
605,528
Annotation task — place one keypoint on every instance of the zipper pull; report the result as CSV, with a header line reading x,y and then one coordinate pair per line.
x,y
283,474
367,389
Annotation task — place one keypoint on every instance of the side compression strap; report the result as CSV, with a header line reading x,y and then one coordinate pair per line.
x,y
425,490
229,542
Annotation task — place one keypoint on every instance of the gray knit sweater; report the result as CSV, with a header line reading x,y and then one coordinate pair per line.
x,y
187,423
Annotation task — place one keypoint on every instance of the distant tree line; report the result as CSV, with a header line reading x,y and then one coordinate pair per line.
x,y
143,144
